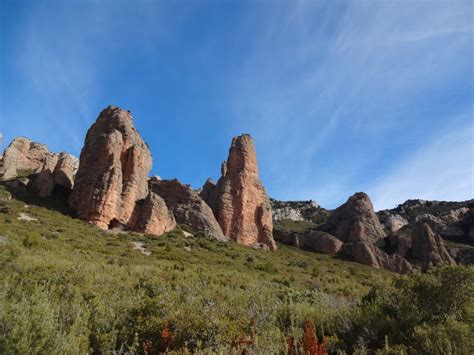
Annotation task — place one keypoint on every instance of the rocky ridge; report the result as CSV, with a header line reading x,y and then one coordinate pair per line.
x,y
111,189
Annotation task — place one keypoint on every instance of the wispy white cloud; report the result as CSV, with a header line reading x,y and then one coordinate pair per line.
x,y
441,170
325,75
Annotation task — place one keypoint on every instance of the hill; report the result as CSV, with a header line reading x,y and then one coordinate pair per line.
x,y
69,287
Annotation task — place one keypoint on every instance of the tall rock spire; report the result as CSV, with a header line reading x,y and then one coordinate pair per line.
x,y
113,172
239,201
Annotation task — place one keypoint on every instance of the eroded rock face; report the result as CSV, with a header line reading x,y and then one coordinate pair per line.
x,y
49,171
188,207
369,254
357,225
321,242
355,221
65,170
113,170
308,211
239,201
24,156
151,216
428,247
395,223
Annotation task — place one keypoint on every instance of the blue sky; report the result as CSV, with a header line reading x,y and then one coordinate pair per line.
x,y
340,96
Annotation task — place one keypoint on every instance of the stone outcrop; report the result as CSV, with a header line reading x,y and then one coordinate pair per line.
x,y
49,171
188,207
151,216
308,211
428,247
206,190
24,156
369,254
61,179
43,184
355,221
317,241
239,201
113,171
395,222
65,171
356,224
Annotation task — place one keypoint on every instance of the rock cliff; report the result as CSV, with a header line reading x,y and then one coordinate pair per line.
x,y
113,170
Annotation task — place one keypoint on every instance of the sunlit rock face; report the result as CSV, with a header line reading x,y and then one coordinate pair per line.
x,y
113,170
239,200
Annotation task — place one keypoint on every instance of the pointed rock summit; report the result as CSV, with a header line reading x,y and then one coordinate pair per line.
x,y
355,220
238,200
356,224
113,171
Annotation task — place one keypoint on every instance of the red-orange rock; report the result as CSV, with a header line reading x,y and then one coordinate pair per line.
x,y
113,170
151,216
239,201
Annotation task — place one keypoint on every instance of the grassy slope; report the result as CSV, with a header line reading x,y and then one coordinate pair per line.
x,y
117,297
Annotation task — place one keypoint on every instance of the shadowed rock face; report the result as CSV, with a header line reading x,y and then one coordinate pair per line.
x,y
151,216
65,170
428,247
187,206
357,225
239,201
113,170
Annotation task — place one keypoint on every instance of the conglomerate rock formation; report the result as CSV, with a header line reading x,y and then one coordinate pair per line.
x,y
355,221
110,188
151,216
428,247
187,206
113,170
356,224
48,171
239,201
24,156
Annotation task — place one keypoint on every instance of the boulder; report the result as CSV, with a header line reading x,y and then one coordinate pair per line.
x,y
151,216
113,171
239,200
188,207
428,247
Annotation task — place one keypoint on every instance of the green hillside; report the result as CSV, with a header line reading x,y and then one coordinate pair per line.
x,y
68,287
